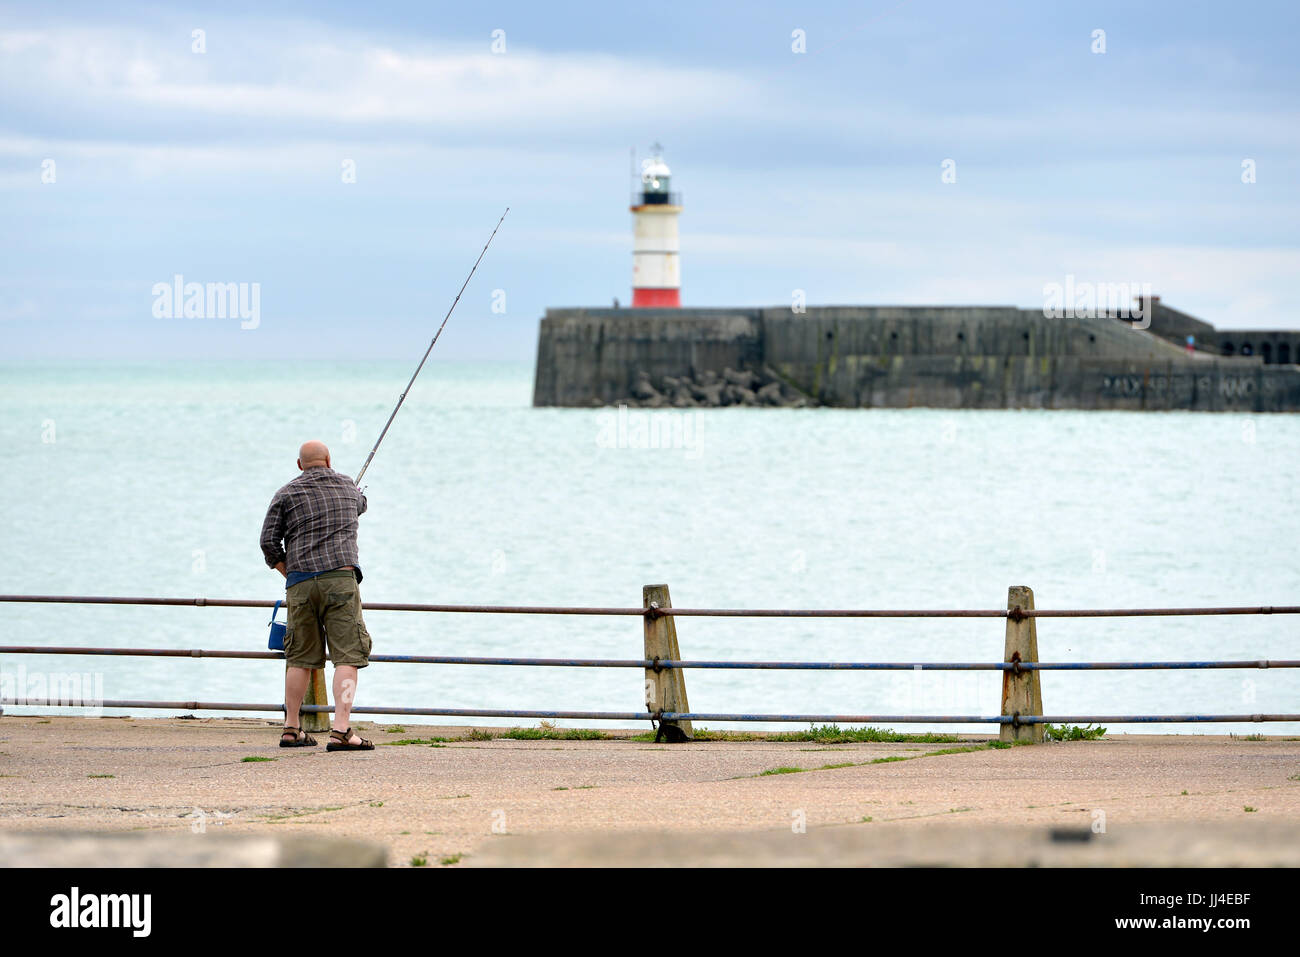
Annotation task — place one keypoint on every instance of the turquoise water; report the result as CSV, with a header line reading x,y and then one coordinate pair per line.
x,y
152,479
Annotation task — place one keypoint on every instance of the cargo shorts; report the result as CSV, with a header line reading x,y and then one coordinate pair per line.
x,y
323,609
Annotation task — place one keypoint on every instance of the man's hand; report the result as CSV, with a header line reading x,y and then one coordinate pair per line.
x,y
279,567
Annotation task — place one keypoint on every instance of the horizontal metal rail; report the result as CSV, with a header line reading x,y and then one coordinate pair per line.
x,y
369,606
359,709
1014,613
653,664
669,715
392,659
1014,666
971,719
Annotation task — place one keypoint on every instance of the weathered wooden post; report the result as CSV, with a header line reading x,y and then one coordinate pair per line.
x,y
1022,692
317,694
665,688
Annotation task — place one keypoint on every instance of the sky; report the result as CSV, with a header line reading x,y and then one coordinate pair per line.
x,y
347,161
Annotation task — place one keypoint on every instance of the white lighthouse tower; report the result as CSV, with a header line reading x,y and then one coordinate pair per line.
x,y
656,272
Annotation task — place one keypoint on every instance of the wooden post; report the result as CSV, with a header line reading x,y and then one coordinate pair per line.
x,y
1022,692
665,689
317,693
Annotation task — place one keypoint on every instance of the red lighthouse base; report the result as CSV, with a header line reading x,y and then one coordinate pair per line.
x,y
656,298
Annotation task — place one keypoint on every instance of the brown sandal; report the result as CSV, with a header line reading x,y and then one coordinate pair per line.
x,y
339,742
300,738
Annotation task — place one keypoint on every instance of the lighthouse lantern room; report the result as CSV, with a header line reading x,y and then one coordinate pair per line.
x,y
656,275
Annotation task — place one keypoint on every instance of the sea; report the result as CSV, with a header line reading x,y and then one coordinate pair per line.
x,y
152,479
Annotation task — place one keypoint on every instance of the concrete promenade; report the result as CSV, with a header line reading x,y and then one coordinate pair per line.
x,y
498,801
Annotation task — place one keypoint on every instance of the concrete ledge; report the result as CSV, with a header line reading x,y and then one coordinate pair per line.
x,y
187,849
880,845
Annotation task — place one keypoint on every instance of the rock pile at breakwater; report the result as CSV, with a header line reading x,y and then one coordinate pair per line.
x,y
711,390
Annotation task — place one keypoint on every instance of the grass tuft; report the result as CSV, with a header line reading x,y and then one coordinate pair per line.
x,y
1072,732
552,733
834,734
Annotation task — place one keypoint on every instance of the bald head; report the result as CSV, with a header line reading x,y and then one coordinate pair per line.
x,y
313,454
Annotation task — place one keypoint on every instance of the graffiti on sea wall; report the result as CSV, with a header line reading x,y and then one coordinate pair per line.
x,y
1238,386
1121,386
1132,385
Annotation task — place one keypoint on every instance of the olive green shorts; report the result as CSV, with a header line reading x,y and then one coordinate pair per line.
x,y
323,609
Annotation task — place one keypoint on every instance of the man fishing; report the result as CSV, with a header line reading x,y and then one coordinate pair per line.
x,y
310,537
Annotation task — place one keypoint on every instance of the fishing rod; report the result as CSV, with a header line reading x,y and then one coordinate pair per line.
x,y
402,398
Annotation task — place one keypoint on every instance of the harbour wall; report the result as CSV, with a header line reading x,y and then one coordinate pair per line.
x,y
905,356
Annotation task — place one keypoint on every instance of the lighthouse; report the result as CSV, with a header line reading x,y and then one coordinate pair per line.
x,y
656,273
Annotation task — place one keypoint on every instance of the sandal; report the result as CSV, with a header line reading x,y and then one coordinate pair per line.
x,y
339,742
299,738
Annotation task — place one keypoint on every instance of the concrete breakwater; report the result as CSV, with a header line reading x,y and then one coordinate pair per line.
x,y
905,356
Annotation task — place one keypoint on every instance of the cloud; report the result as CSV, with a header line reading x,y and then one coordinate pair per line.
x,y
266,83
309,75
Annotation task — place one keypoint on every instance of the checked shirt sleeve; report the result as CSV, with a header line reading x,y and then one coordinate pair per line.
x,y
273,533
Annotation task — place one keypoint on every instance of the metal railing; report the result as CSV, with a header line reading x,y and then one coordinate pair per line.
x,y
1015,614
666,705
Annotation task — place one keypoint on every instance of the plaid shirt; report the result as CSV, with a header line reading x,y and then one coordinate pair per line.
x,y
315,517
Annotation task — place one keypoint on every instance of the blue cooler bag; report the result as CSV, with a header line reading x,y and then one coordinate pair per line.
x,y
276,640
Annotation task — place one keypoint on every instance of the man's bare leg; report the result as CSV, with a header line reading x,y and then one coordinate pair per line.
x,y
345,689
295,687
